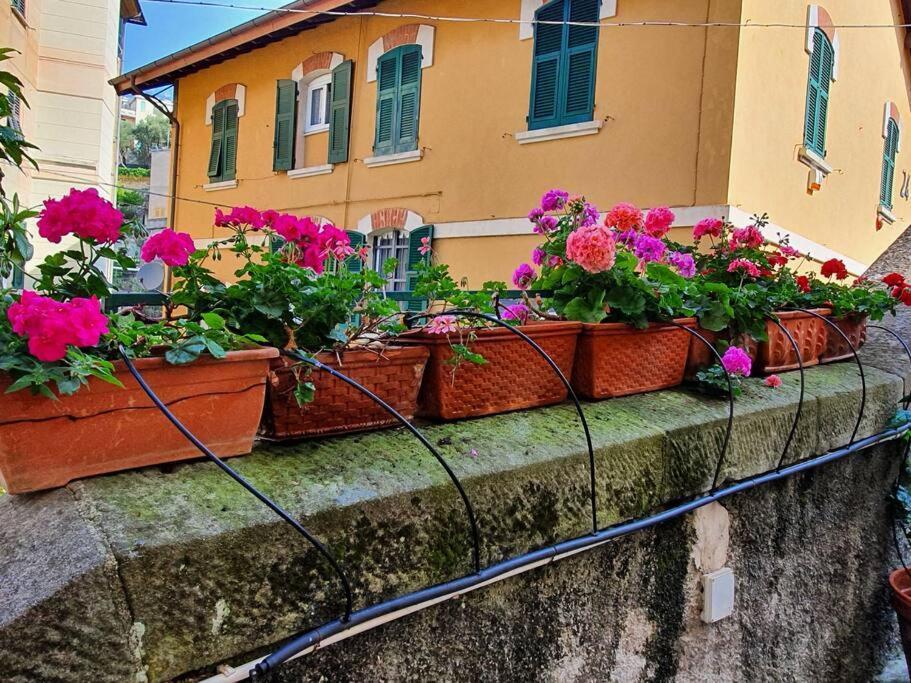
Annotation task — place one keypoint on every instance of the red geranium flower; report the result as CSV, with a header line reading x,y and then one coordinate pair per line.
x,y
834,267
776,259
894,280
803,283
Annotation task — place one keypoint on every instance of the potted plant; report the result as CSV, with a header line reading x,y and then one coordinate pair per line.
x,y
68,408
479,368
301,286
620,279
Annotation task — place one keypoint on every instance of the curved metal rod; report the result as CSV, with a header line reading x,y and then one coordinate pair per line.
x,y
860,367
475,539
550,361
906,396
799,356
261,497
727,433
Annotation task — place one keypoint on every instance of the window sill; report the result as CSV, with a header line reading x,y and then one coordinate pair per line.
x,y
886,214
310,171
390,159
814,161
316,131
573,130
221,185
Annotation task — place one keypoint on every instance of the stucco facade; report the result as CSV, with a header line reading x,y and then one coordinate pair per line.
x,y
707,120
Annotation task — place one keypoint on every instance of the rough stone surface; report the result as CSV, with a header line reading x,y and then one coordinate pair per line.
x,y
164,573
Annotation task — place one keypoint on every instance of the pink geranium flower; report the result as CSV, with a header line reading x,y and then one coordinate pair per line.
x,y
51,326
737,362
624,217
424,249
442,324
773,381
174,248
708,226
518,312
592,247
744,265
658,221
683,262
242,216
523,276
82,213
749,236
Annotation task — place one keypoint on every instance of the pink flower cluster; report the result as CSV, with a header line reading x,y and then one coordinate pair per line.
x,y
82,213
593,247
737,361
442,324
708,226
624,217
174,248
517,312
523,276
744,265
659,221
243,217
51,326
749,236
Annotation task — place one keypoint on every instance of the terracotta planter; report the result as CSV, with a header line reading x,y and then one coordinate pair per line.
x,y
103,428
395,376
700,357
777,354
515,376
854,328
614,359
900,585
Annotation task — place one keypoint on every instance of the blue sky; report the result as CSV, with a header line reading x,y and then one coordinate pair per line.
x,y
172,27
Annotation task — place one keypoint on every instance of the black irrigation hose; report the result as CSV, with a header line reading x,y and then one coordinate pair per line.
x,y
905,395
475,538
265,500
556,368
799,357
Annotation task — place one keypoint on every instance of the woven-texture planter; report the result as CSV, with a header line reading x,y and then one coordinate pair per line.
x,y
615,359
700,357
103,428
394,375
900,585
777,354
854,328
515,376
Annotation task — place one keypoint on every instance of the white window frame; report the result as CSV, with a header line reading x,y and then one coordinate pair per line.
x,y
397,246
319,83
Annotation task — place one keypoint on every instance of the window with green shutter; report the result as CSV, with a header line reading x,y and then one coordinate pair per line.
x,y
17,280
340,112
414,258
223,152
285,118
822,61
564,63
398,100
356,240
890,149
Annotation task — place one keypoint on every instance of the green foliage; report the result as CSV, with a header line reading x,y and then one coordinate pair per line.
x,y
437,286
13,146
153,131
15,248
713,381
125,196
863,298
132,172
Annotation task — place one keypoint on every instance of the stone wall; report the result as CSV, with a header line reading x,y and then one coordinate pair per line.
x,y
164,573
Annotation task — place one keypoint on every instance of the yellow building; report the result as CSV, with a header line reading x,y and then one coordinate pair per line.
x,y
384,124
67,53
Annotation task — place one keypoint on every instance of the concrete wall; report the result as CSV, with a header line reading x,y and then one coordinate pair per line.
x,y
166,573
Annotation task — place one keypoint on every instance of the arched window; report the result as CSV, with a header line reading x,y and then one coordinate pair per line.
x,y
822,61
563,70
398,100
888,172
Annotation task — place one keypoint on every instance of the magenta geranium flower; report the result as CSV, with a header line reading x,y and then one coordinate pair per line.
x,y
658,221
51,326
649,248
545,224
241,216
737,362
554,200
517,312
683,262
592,247
624,217
749,236
174,248
537,256
82,213
523,276
708,226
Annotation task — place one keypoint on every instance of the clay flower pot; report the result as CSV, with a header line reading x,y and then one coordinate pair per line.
x,y
777,354
700,357
394,375
900,583
854,328
615,359
103,428
515,376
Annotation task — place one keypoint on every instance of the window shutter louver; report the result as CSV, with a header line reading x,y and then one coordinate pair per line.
x,y
414,258
386,83
340,112
890,149
409,100
357,240
230,161
18,278
218,130
582,46
822,109
285,117
822,61
547,66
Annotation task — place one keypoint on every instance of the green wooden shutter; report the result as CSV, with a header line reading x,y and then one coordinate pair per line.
x,y
340,112
822,61
409,99
218,131
285,118
547,66
230,146
387,69
825,81
578,101
357,241
414,258
888,172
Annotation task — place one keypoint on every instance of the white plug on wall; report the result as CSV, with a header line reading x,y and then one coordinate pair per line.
x,y
717,595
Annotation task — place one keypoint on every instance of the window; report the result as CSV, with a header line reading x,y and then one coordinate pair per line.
x,y
19,6
318,104
223,153
563,68
888,173
392,244
822,61
398,101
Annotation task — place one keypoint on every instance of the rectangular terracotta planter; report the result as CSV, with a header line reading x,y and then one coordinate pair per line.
x,y
854,328
615,359
103,428
777,354
515,376
338,408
